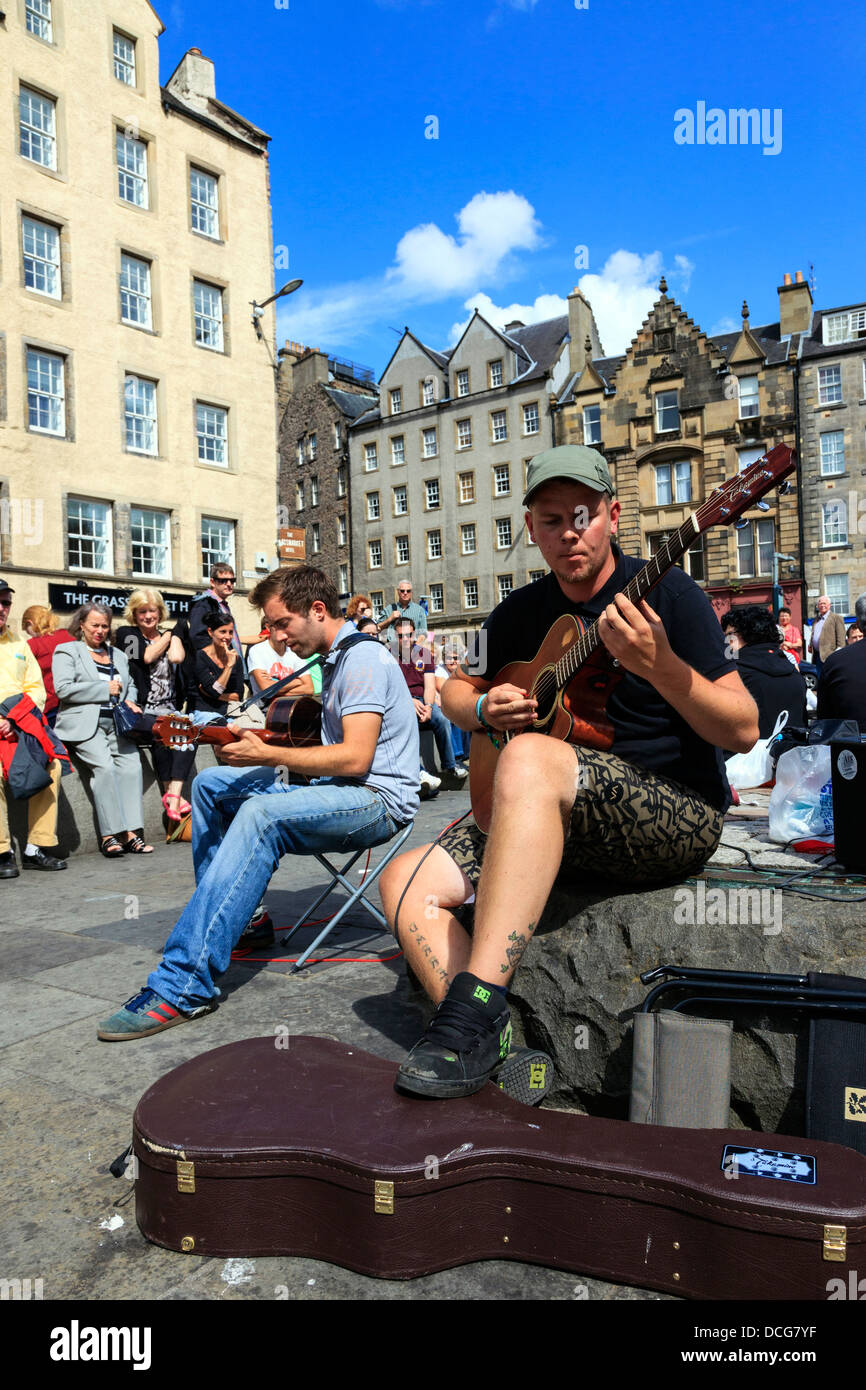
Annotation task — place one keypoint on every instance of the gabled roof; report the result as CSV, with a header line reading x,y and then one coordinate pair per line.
x,y
605,368
437,358
542,342
769,339
350,403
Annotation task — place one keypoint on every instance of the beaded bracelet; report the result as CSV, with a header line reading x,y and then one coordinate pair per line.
x,y
486,728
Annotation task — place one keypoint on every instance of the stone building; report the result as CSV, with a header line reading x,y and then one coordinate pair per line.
x,y
678,414
320,398
832,372
438,470
137,416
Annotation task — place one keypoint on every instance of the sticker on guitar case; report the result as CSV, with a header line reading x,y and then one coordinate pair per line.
x,y
768,1163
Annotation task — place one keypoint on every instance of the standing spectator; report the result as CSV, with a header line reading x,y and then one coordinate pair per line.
x,y
215,601
792,637
460,739
419,673
43,637
19,675
842,683
219,680
405,608
773,681
86,688
156,661
828,633
368,625
359,607
855,634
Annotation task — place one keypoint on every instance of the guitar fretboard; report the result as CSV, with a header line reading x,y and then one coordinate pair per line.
x,y
637,588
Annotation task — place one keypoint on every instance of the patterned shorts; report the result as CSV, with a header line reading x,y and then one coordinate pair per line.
x,y
626,824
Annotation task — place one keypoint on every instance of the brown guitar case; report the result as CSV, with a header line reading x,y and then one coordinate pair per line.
x,y
256,1149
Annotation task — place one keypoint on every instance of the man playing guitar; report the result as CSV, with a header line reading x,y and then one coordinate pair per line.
x,y
363,787
649,809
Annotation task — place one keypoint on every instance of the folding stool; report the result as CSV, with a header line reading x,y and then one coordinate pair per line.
x,y
356,894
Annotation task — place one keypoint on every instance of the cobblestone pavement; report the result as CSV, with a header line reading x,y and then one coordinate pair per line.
x,y
74,947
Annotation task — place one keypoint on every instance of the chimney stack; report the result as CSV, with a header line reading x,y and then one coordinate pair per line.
x,y
795,305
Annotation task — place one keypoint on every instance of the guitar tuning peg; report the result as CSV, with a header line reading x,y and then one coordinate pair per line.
x,y
741,524
784,487
762,506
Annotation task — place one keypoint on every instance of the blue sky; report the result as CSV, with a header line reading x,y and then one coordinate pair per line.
x,y
555,131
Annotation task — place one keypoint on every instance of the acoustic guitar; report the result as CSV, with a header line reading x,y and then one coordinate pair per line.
x,y
572,674
292,721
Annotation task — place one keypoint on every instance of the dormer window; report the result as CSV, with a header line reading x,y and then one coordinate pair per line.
x,y
843,328
396,401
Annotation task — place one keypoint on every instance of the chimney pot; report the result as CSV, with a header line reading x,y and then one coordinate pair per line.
x,y
787,279
799,277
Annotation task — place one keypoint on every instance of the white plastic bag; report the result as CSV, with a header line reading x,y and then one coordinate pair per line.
x,y
755,768
801,803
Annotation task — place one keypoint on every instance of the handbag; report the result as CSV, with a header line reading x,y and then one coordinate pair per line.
x,y
126,723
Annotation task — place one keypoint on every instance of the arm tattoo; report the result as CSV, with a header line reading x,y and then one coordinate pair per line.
x,y
519,943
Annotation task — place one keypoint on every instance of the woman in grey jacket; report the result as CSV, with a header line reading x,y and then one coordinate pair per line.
x,y
85,685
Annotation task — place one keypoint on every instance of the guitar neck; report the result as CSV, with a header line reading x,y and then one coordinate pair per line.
x,y
218,733
637,588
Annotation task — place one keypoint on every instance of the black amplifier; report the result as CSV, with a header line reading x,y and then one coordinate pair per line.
x,y
848,765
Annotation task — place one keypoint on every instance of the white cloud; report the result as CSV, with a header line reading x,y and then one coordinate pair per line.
x,y
546,306
491,226
724,325
683,273
622,296
429,265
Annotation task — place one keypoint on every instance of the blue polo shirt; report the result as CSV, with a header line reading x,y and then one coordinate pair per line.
x,y
365,679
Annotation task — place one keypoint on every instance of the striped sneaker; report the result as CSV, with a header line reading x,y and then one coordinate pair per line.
x,y
144,1014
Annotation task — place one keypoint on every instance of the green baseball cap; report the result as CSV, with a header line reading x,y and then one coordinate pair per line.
x,y
574,463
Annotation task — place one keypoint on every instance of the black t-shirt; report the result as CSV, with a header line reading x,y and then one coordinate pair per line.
x,y
647,730
204,697
774,684
842,684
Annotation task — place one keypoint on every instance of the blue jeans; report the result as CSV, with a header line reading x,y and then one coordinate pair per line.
x,y
244,820
442,734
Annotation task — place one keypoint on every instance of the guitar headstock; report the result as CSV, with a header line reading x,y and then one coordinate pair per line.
x,y
176,731
738,494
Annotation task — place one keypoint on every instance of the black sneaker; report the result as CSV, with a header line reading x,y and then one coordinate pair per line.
x,y
258,932
525,1075
467,1039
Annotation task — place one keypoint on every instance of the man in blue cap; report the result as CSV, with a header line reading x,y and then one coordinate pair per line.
x,y
649,809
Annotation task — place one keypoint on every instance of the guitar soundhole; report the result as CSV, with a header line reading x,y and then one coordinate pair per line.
x,y
545,692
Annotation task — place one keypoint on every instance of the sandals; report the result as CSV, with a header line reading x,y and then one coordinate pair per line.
x,y
175,813
111,847
136,845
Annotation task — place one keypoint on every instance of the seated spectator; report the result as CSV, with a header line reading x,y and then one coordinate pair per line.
x,y
451,658
419,673
272,660
88,674
219,680
43,637
842,683
854,635
368,625
770,678
359,607
792,637
156,661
